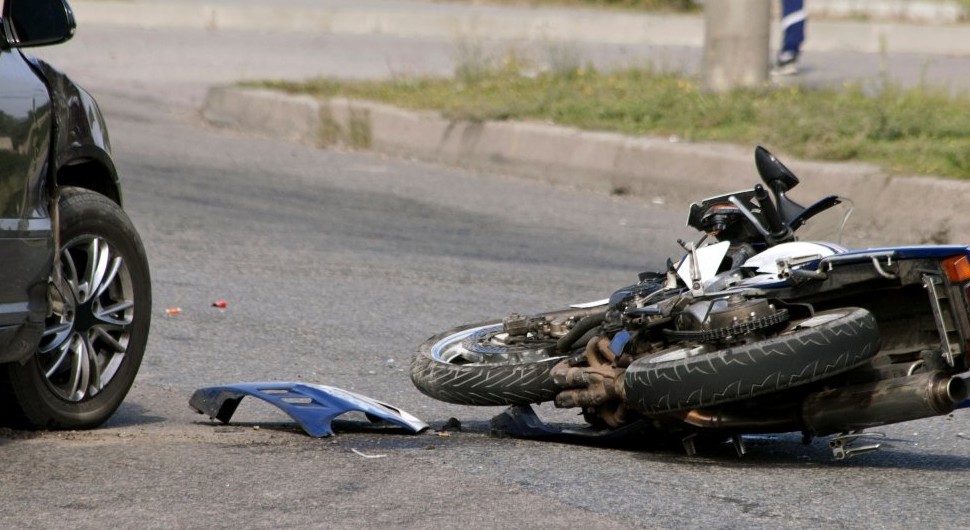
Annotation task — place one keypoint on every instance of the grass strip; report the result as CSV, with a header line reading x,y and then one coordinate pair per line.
x,y
920,131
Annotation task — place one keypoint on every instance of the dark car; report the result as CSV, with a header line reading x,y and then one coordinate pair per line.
x,y
75,292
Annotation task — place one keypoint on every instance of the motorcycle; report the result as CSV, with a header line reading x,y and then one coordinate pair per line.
x,y
753,331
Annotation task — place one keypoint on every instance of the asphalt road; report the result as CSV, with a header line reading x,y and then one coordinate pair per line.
x,y
335,266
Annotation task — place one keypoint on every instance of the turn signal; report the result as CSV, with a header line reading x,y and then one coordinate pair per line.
x,y
957,268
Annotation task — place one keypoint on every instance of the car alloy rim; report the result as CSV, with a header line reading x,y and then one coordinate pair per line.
x,y
93,310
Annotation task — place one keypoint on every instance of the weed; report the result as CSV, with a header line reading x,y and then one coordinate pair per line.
x,y
923,130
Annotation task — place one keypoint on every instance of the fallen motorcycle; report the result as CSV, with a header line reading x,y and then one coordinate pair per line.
x,y
753,331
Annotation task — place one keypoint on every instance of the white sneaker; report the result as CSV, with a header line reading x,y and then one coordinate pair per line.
x,y
787,64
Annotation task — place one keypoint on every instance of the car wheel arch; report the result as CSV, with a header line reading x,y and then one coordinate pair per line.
x,y
92,174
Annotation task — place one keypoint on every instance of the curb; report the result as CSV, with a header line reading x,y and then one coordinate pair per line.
x,y
533,25
554,25
890,210
909,10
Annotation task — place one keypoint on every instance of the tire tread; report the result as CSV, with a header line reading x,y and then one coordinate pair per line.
x,y
741,372
481,384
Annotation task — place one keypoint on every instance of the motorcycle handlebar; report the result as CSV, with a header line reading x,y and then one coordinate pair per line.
x,y
779,231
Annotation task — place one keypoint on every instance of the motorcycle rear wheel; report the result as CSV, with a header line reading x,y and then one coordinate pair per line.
x,y
689,377
469,365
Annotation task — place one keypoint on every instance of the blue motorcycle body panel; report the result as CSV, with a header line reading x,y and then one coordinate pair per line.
x,y
314,407
907,252
770,281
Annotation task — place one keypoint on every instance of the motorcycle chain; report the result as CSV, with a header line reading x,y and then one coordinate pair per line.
x,y
741,328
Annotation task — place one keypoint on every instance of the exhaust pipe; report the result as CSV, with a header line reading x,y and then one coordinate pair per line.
x,y
881,403
760,423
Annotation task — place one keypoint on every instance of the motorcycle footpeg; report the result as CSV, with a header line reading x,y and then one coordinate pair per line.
x,y
844,446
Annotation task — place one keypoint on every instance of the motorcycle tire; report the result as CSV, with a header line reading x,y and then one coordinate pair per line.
x,y
460,366
98,326
828,343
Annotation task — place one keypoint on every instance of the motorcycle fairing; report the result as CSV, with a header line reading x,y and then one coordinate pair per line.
x,y
908,252
312,406
709,259
767,262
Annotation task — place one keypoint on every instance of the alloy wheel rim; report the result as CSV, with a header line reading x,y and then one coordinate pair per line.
x,y
93,310
455,348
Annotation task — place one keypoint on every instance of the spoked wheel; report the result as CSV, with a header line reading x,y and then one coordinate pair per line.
x,y
701,375
478,364
95,335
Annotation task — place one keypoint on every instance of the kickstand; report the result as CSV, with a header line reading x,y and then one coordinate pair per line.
x,y
843,446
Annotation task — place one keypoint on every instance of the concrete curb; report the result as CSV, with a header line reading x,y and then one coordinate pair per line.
x,y
535,25
908,10
890,210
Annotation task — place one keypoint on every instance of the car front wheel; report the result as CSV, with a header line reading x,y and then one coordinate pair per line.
x,y
96,333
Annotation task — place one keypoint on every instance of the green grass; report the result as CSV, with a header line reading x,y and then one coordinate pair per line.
x,y
908,131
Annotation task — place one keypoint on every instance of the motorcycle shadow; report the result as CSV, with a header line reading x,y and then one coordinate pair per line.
x,y
749,451
789,450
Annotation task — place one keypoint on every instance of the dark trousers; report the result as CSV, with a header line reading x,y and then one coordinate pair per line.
x,y
792,25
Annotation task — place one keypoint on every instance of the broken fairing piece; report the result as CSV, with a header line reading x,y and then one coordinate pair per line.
x,y
312,406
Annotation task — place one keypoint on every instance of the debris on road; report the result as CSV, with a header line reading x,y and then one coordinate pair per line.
x,y
173,311
314,407
221,304
356,452
451,425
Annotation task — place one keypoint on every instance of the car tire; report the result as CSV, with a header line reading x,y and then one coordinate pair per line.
x,y
95,336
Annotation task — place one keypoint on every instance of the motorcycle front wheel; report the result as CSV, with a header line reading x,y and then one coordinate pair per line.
x,y
479,364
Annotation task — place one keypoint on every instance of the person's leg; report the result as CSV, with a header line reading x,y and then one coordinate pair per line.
x,y
793,34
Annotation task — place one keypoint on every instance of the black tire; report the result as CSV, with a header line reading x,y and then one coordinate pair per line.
x,y
829,343
95,338
500,376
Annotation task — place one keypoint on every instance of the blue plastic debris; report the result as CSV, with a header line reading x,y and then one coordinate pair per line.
x,y
312,406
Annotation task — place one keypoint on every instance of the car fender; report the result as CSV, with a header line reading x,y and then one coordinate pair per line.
x,y
80,135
